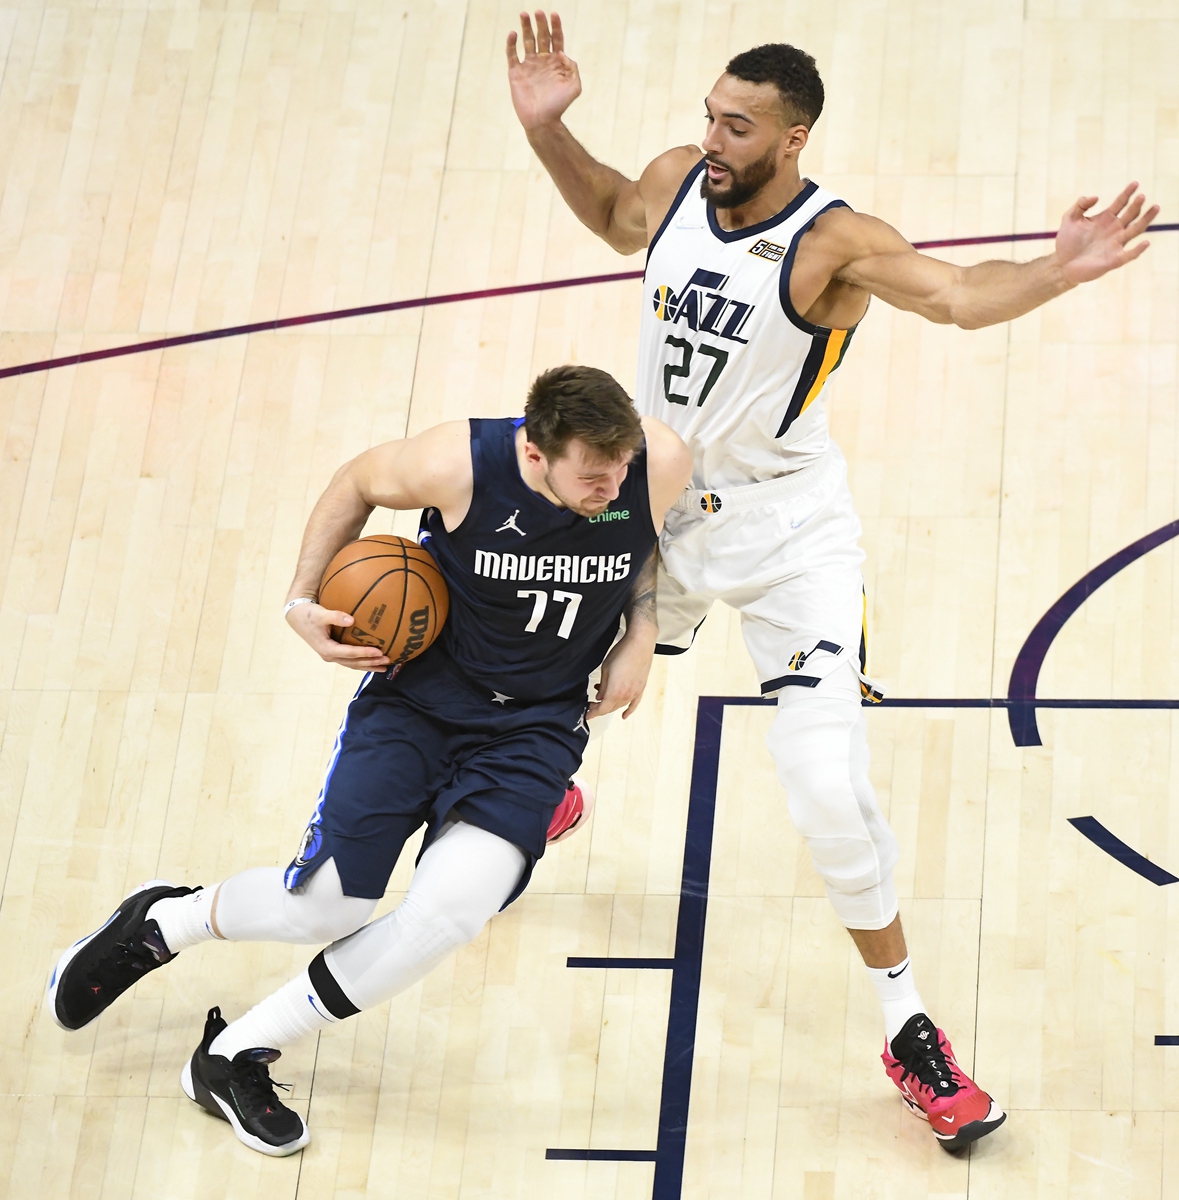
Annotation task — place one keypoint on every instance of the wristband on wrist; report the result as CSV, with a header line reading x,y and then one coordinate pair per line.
x,y
296,602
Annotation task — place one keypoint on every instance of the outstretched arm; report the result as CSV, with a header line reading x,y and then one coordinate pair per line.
x,y
430,470
543,86
869,254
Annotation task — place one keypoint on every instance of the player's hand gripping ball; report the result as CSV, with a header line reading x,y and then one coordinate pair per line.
x,y
394,592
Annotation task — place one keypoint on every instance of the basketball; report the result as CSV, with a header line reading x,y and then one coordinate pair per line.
x,y
394,591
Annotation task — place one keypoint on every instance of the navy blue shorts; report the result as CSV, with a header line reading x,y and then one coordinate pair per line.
x,y
432,745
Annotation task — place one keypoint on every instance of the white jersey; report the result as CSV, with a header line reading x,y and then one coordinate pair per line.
x,y
723,357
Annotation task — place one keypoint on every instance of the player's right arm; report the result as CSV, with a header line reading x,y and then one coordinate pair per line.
x,y
623,212
431,470
627,666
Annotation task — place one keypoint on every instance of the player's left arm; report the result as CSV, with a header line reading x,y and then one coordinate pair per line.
x,y
625,671
868,253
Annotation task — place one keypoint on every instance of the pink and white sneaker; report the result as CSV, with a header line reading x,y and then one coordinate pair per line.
x,y
920,1061
573,813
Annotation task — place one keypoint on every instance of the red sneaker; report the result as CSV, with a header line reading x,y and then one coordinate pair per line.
x,y
920,1061
573,813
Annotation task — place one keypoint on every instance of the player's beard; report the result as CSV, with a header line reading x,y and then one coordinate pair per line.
x,y
743,185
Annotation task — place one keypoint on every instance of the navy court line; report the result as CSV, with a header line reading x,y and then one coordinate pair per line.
x,y
368,310
1101,837
602,1155
1021,689
687,964
650,964
981,702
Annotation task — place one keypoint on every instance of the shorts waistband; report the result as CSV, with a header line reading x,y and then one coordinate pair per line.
x,y
755,495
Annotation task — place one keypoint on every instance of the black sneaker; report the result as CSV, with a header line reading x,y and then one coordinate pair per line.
x,y
240,1091
94,972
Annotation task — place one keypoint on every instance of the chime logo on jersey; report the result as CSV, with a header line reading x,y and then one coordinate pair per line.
x,y
704,306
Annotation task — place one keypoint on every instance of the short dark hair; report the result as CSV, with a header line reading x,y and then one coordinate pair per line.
x,y
791,71
585,403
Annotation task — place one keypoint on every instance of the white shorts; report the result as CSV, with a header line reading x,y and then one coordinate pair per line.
x,y
786,554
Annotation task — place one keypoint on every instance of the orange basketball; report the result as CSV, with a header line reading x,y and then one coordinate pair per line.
x,y
394,592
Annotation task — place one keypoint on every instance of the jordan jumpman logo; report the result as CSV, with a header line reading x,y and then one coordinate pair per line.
x,y
510,523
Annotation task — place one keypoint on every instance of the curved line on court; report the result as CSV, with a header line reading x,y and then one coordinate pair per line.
x,y
369,310
1025,672
1101,837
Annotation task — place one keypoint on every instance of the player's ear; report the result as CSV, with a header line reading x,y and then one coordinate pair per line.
x,y
795,140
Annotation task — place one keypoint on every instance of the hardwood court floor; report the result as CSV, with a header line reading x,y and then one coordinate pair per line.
x,y
173,167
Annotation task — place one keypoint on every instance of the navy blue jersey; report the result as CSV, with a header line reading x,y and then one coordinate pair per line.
x,y
536,591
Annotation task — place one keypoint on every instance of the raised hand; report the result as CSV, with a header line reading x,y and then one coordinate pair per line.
x,y
546,82
1087,247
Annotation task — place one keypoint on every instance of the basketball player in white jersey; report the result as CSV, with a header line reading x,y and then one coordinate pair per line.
x,y
756,279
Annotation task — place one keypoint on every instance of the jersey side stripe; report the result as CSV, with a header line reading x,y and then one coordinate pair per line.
x,y
815,358
832,357
826,353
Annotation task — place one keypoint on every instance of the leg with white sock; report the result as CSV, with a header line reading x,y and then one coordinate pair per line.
x,y
820,745
255,906
462,880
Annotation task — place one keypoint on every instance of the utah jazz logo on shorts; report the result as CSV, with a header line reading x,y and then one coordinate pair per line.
x,y
710,502
704,306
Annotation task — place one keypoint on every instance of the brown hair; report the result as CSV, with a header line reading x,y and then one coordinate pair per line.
x,y
584,403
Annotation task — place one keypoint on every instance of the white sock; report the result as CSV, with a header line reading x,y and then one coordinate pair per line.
x,y
283,1017
185,920
898,996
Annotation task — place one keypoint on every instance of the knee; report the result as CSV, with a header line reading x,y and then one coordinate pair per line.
x,y
438,926
819,745
319,921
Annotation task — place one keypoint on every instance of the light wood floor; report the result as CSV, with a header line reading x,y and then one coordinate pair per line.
x,y
173,167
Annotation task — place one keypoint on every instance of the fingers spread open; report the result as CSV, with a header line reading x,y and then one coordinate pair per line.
x,y
1142,224
529,37
543,38
1121,199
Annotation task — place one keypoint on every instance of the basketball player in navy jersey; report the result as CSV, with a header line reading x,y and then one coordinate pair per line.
x,y
476,738
756,279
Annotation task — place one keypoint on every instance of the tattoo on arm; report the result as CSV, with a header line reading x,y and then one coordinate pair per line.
x,y
641,604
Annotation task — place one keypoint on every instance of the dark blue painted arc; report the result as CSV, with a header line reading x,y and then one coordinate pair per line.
x,y
1101,837
1021,689
368,310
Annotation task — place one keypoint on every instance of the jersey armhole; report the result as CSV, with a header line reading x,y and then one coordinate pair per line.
x,y
476,425
647,491
788,267
691,176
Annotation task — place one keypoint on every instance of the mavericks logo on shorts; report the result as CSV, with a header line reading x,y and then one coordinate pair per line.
x,y
309,847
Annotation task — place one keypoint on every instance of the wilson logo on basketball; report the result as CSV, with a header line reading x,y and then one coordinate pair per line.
x,y
394,592
419,626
